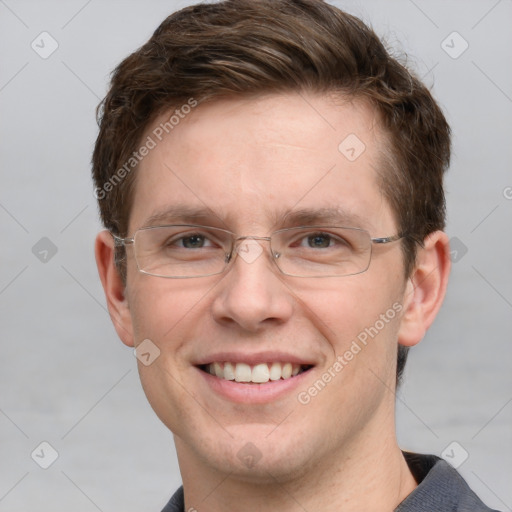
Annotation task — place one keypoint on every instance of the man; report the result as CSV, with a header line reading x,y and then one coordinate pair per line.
x,y
272,185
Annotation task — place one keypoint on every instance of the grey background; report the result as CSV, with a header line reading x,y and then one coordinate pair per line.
x,y
66,379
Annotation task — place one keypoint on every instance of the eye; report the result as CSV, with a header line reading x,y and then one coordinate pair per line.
x,y
322,240
189,240
318,240
193,241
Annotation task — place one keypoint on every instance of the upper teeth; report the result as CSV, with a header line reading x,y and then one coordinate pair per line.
x,y
259,373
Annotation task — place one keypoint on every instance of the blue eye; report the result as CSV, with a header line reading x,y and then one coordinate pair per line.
x,y
193,241
319,240
188,240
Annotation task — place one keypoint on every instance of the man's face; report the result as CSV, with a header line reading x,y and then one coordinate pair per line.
x,y
250,164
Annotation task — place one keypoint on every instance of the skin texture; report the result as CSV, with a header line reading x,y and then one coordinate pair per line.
x,y
250,162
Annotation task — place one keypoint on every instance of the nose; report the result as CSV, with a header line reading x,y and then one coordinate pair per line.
x,y
252,294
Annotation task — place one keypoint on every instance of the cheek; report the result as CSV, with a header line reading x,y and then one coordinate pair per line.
x,y
360,330
343,308
166,312
161,308
358,319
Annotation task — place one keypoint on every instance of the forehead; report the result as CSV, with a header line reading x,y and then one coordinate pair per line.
x,y
250,162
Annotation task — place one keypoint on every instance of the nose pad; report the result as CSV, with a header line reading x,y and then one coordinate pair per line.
x,y
249,249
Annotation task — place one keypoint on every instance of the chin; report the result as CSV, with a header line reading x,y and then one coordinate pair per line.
x,y
254,456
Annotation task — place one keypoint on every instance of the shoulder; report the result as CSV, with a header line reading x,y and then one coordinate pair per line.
x,y
440,488
176,503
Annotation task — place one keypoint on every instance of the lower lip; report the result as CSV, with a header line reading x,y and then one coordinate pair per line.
x,y
253,393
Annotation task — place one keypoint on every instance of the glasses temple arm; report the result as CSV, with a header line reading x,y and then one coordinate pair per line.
x,y
387,239
119,241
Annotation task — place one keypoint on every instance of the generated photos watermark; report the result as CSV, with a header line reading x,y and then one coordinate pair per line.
x,y
150,143
357,345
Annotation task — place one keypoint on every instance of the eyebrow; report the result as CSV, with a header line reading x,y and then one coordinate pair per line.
x,y
181,213
186,214
324,216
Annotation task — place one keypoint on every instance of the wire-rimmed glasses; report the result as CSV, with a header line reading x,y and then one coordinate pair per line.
x,y
188,250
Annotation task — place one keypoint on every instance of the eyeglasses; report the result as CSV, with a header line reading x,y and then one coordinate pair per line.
x,y
186,250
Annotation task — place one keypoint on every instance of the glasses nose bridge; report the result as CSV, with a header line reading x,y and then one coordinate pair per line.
x,y
251,237
237,241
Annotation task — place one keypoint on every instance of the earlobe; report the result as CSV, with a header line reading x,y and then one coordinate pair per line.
x,y
426,289
113,287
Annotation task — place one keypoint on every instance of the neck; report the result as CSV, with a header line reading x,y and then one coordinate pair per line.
x,y
372,476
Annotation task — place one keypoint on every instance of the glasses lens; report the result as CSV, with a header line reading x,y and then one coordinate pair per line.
x,y
181,251
322,251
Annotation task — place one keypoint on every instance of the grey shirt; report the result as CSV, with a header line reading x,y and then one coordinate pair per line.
x,y
440,489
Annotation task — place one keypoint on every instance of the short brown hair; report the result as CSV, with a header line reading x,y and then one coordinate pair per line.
x,y
245,47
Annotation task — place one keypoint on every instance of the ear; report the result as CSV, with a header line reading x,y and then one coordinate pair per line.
x,y
114,288
425,289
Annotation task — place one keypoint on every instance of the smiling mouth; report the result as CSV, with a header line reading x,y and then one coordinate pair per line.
x,y
254,374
